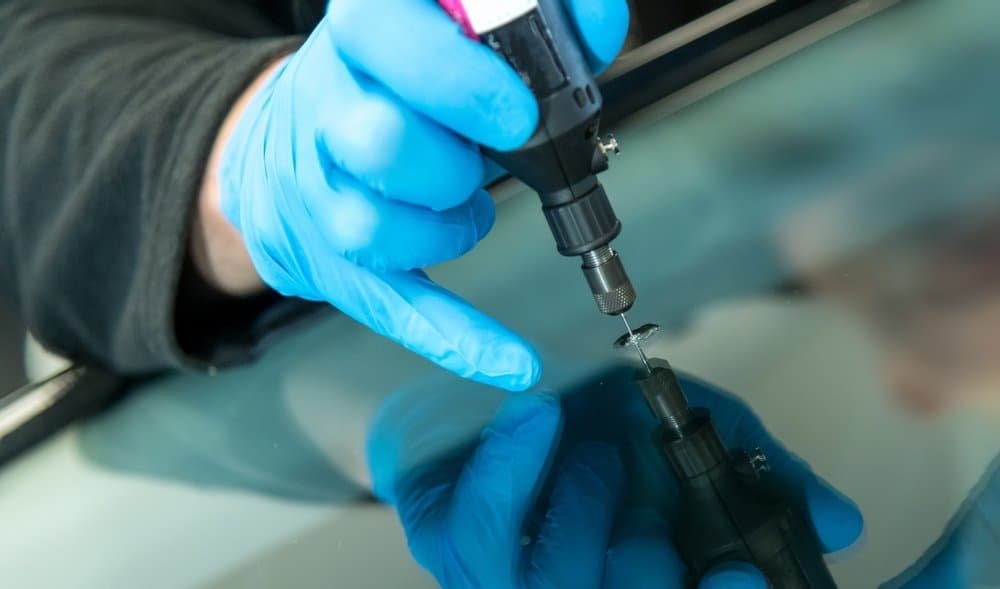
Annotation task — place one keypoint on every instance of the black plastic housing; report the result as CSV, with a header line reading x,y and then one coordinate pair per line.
x,y
562,159
731,511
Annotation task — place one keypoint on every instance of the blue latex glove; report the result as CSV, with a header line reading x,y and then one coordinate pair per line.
x,y
358,164
580,478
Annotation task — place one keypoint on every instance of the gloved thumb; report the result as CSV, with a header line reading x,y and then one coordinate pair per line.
x,y
733,575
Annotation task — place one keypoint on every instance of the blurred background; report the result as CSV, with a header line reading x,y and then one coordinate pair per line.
x,y
809,195
11,351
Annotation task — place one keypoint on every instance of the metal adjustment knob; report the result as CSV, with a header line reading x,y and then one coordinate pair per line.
x,y
609,144
759,462
608,281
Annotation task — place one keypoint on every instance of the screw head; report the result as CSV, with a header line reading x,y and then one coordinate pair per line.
x,y
609,144
759,462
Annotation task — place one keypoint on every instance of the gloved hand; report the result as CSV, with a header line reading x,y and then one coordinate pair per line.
x,y
569,494
357,164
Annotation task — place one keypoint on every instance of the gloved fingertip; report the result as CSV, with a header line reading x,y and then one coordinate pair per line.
x,y
603,26
734,575
518,132
513,114
529,377
835,517
492,172
527,412
483,213
837,520
514,366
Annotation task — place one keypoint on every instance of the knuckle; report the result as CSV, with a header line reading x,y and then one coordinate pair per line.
x,y
379,138
341,17
352,223
511,114
387,124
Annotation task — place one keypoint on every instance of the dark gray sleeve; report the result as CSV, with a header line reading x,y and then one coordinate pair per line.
x,y
108,112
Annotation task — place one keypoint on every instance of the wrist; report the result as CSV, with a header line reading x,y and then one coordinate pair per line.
x,y
218,251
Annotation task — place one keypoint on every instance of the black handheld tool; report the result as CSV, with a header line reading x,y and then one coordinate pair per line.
x,y
730,508
563,157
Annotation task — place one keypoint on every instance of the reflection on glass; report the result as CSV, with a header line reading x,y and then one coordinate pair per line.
x,y
931,296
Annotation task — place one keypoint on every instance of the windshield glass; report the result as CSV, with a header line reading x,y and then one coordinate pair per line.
x,y
815,229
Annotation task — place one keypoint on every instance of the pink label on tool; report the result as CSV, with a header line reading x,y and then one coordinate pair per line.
x,y
479,17
455,9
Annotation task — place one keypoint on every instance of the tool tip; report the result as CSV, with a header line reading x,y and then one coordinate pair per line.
x,y
637,335
635,338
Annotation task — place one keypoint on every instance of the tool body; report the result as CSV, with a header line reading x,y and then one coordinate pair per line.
x,y
562,159
730,508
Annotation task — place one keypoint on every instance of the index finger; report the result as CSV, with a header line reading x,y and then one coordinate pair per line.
x,y
413,48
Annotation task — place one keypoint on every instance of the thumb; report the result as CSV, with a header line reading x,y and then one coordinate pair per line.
x,y
499,485
733,575
836,520
601,25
